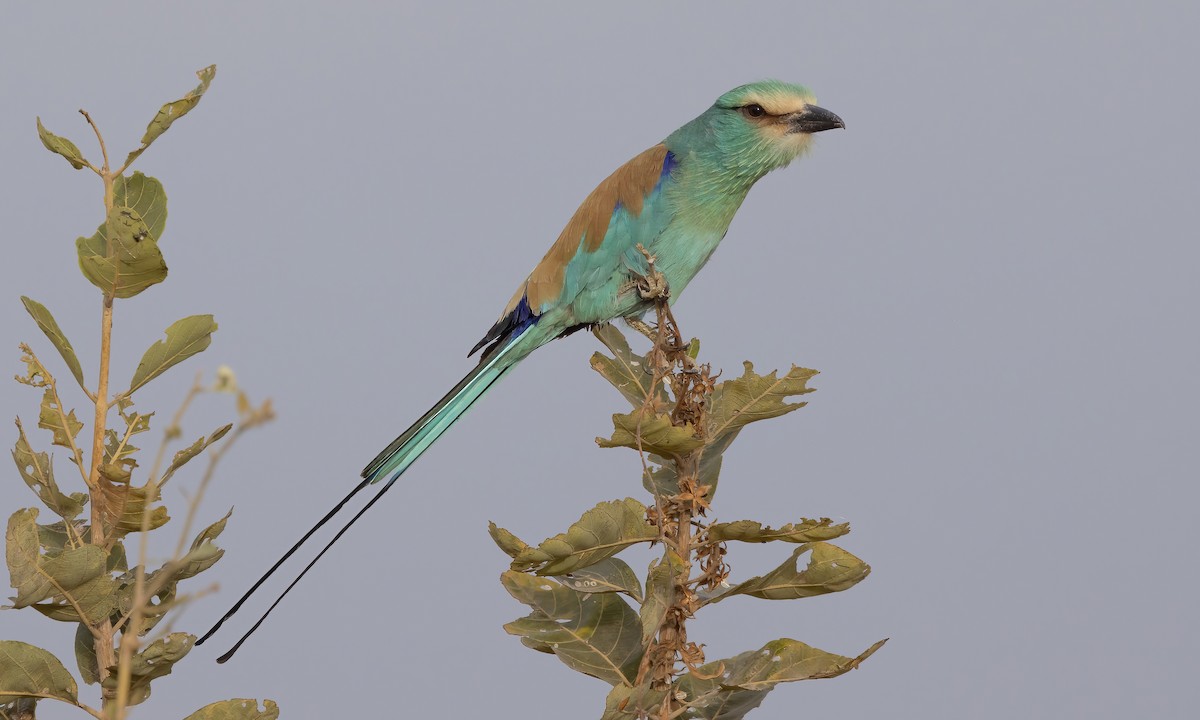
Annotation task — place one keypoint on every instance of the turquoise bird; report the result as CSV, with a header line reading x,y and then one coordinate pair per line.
x,y
676,199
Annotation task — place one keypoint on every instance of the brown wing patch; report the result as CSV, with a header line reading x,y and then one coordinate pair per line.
x,y
628,185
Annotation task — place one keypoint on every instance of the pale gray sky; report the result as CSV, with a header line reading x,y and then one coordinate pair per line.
x,y
994,268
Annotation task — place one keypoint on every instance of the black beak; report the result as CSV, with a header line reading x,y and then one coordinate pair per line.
x,y
813,119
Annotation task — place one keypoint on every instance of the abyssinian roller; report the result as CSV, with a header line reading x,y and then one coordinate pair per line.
x,y
675,199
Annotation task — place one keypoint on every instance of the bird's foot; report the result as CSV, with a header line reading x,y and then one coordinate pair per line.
x,y
653,284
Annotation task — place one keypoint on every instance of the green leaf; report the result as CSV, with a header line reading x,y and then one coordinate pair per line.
x,y
630,374
54,538
95,598
85,655
26,670
664,480
145,196
805,531
61,423
651,433
61,146
22,554
122,258
752,397
185,338
35,469
119,503
611,575
597,635
600,533
236,709
203,554
157,660
627,703
728,689
123,506
830,569
76,575
188,453
46,322
660,593
172,111
506,541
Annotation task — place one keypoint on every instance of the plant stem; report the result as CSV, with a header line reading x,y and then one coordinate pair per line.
x,y
102,633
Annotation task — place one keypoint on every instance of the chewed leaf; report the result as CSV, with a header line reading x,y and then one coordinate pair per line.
x,y
598,635
236,709
804,531
752,397
60,422
600,533
145,196
172,111
651,433
728,689
155,661
46,322
188,453
122,258
611,575
506,541
630,374
61,146
72,580
185,338
35,469
830,569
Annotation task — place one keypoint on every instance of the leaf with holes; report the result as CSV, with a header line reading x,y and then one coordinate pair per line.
x,y
598,635
172,111
156,660
61,423
630,374
611,575
35,469
145,196
122,258
600,533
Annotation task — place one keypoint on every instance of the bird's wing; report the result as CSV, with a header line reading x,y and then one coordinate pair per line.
x,y
626,209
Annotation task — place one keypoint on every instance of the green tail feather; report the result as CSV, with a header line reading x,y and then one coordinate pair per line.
x,y
404,450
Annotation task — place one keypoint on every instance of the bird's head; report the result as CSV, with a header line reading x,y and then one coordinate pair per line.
x,y
756,128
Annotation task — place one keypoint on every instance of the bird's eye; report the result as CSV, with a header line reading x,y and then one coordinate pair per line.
x,y
754,110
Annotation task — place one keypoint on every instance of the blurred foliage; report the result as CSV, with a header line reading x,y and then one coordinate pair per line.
x,y
74,568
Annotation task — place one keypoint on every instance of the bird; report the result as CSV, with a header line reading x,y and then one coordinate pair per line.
x,y
672,202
